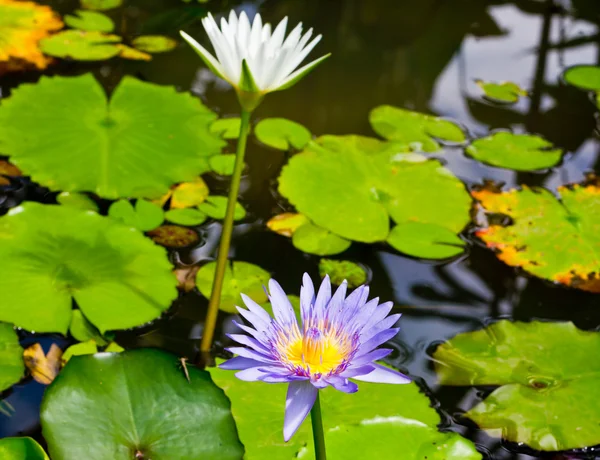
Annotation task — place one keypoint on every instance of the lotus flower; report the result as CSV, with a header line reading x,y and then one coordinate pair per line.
x,y
337,340
254,60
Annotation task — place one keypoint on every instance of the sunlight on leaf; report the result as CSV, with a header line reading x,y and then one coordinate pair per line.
x,y
43,367
189,194
340,270
84,348
286,223
90,20
505,92
282,134
313,239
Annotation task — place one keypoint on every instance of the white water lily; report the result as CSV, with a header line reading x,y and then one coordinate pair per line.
x,y
254,60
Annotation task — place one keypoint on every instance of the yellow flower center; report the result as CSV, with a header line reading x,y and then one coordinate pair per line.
x,y
318,352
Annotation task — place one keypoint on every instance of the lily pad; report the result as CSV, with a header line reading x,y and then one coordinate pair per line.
x,y
240,278
227,128
154,43
22,25
189,194
146,139
186,216
418,130
127,52
340,270
583,76
222,164
551,239
84,348
101,5
21,449
287,223
505,91
353,191
81,45
282,134
77,200
363,421
521,152
90,20
52,255
425,240
82,330
216,207
155,412
12,367
547,396
145,216
313,239
174,236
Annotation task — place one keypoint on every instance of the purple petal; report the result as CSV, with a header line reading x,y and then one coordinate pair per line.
x,y
377,340
249,342
342,384
239,363
254,319
256,309
357,370
282,308
323,297
251,354
276,378
258,335
250,375
371,357
380,312
384,324
307,297
299,401
383,374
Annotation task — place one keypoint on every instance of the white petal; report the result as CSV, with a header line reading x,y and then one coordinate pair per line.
x,y
276,39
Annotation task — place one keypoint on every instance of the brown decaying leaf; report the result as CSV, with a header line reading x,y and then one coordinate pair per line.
x,y
4,181
8,169
186,277
43,368
174,236
127,52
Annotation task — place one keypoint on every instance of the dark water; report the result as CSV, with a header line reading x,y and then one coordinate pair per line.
x,y
420,55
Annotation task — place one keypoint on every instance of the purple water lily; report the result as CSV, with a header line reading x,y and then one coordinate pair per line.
x,y
337,340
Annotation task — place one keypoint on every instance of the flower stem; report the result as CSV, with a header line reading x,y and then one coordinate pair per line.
x,y
215,297
317,426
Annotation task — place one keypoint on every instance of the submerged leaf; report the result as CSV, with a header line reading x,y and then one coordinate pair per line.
x,y
90,20
174,236
340,270
282,134
287,223
505,91
21,449
81,45
313,239
583,76
154,43
11,357
43,367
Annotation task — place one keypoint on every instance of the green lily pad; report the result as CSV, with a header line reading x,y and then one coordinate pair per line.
x,y
189,194
340,270
101,5
353,191
547,396
583,76
174,236
551,239
222,164
52,255
90,20
84,348
11,357
364,420
425,240
521,152
185,216
216,207
145,216
240,278
81,45
21,449
313,239
227,128
418,130
506,91
146,139
154,411
82,330
282,134
154,43
77,200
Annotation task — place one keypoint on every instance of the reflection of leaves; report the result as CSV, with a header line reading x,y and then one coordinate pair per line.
x,y
547,397
11,362
313,239
43,367
21,449
287,223
506,91
340,270
282,134
81,45
90,20
556,240
146,139
100,387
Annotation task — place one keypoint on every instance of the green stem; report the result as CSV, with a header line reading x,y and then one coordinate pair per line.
x,y
215,297
317,426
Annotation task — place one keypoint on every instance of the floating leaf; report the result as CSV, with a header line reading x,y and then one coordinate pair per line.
x,y
547,381
11,357
584,76
521,152
352,188
90,20
222,164
363,421
8,169
552,239
189,194
340,270
127,52
81,45
21,449
505,91
146,139
227,128
54,254
313,239
187,216
77,200
174,236
216,207
240,278
84,348
114,347
100,5
287,223
22,26
282,134
425,240
82,330
154,411
43,368
145,217
418,130
154,43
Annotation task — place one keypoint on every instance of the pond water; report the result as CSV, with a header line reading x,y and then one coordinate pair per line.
x,y
424,56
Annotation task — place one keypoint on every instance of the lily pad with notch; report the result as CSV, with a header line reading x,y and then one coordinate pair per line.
x,y
81,45
90,20
282,134
227,128
313,239
505,92
222,164
145,216
216,207
340,270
